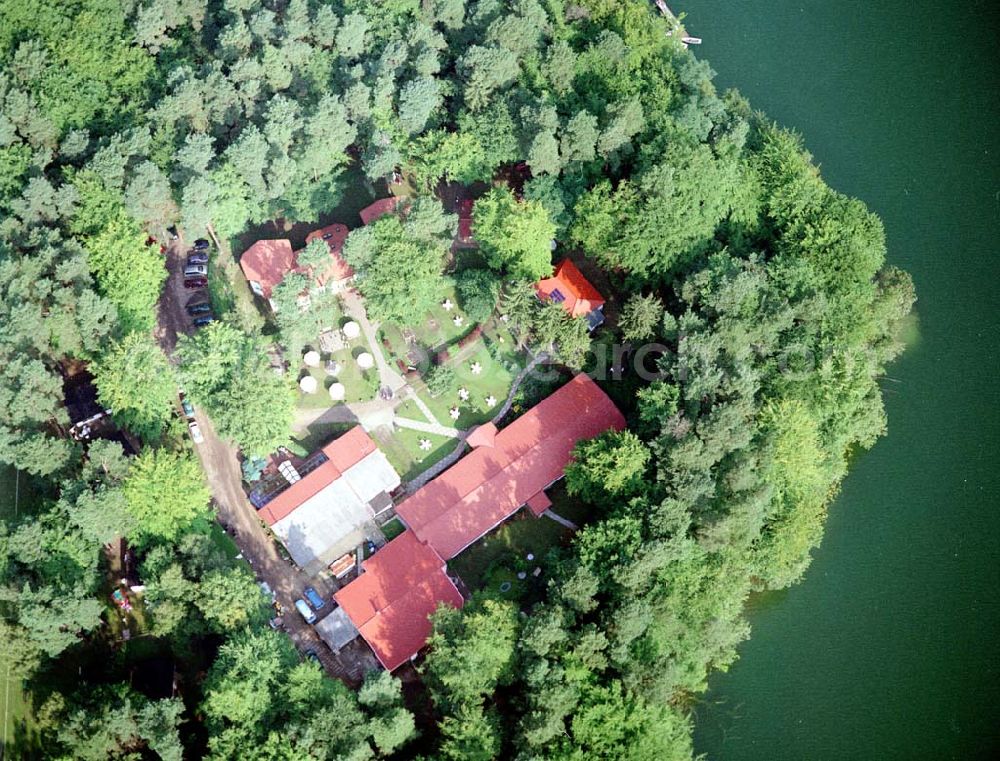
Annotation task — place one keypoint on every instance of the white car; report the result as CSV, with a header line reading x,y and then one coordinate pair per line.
x,y
196,270
195,432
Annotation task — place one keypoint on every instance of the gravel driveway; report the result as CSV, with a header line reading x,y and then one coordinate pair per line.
x,y
222,472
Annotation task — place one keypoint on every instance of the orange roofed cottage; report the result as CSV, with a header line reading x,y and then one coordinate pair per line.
x,y
405,581
569,288
266,263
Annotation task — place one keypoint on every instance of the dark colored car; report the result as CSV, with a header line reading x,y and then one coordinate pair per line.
x,y
201,243
201,308
188,408
195,282
200,322
198,257
313,597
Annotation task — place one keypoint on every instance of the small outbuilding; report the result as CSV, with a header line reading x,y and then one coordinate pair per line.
x,y
336,630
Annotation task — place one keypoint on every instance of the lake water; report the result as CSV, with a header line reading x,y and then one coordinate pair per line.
x,y
890,647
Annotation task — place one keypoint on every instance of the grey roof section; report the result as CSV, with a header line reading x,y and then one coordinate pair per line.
x,y
336,630
338,517
321,522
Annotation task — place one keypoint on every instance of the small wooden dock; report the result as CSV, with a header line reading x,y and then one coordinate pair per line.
x,y
676,24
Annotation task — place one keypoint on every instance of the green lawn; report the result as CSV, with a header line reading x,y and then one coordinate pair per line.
x,y
501,554
393,528
317,435
403,451
359,386
435,331
569,507
494,379
16,707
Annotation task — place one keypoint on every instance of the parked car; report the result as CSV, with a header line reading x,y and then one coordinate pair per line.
x,y
196,270
205,319
197,257
188,408
202,307
201,243
314,598
305,611
195,282
195,432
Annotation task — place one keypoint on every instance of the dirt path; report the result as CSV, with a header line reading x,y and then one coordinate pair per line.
x,y
172,320
219,461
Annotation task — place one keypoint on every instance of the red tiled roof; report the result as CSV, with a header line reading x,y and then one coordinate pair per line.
x,y
350,449
378,209
334,235
579,296
539,503
390,602
342,453
267,262
489,484
482,436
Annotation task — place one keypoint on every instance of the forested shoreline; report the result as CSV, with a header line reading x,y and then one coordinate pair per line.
x,y
768,290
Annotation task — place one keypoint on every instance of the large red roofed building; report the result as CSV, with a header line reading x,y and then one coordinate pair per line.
x,y
266,262
569,288
391,602
508,468
380,208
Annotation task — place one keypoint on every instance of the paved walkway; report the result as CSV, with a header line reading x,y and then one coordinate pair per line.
x,y
354,305
560,520
442,465
418,425
422,406
370,414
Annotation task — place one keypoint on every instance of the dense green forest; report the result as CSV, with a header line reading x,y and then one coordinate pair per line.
x,y
766,290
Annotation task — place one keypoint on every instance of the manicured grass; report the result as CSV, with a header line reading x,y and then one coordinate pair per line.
x,y
359,386
16,494
433,333
15,705
393,528
499,555
409,409
495,379
568,507
402,448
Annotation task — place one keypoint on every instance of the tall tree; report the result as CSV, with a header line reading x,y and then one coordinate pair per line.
x,y
515,235
136,382
165,493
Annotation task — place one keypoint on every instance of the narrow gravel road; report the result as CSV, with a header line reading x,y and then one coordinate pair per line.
x,y
222,472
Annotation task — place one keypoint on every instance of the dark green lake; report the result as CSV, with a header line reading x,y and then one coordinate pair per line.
x,y
890,647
